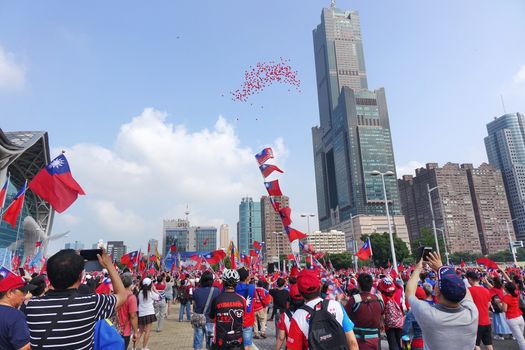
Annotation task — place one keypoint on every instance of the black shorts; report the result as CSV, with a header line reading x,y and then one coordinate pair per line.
x,y
484,335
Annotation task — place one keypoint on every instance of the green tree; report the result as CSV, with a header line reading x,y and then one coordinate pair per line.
x,y
381,248
426,239
341,260
468,257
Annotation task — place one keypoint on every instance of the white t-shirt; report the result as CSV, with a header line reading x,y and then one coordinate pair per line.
x,y
146,305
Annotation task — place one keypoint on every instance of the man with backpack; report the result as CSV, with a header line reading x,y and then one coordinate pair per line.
x,y
261,301
184,296
365,310
319,324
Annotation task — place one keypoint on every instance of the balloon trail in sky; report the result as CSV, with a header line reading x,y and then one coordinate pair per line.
x,y
257,78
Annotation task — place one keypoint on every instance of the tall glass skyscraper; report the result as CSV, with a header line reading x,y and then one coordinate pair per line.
x,y
353,138
250,227
505,146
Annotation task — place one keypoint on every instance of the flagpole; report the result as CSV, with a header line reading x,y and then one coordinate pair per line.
x,y
20,216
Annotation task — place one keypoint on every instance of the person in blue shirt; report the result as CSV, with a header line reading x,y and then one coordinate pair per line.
x,y
422,293
200,298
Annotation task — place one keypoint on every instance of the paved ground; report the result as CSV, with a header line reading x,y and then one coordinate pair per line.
x,y
179,335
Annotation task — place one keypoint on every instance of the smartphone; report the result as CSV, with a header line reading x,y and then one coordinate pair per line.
x,y
92,263
21,271
423,252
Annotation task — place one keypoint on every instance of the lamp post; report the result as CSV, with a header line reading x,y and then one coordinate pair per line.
x,y
445,242
352,217
308,216
429,190
278,254
507,222
392,249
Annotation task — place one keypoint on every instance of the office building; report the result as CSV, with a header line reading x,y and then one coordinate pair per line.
x,y
250,227
468,203
175,232
224,233
205,238
332,242
77,245
153,246
353,138
505,145
272,228
116,249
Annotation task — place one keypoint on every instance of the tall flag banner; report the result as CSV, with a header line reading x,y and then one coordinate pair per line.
x,y
56,185
264,155
129,259
273,188
268,169
255,252
215,257
275,204
258,245
294,234
3,192
366,251
14,209
285,214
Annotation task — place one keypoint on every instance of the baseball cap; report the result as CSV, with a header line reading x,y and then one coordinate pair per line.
x,y
308,281
13,281
294,292
451,285
146,281
386,285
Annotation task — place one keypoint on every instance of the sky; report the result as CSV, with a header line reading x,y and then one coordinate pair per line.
x,y
138,95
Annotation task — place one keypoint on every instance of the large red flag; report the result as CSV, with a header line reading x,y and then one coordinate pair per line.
x,y
366,251
487,262
56,185
294,234
273,188
267,169
285,214
11,213
215,257
264,155
3,193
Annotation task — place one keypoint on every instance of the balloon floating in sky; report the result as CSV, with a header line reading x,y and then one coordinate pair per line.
x,y
257,78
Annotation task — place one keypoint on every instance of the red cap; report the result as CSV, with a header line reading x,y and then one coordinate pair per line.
x,y
308,281
294,292
420,293
12,281
294,271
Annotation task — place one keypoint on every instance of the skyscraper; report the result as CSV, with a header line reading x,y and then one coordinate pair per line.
x,y
505,145
353,138
116,249
224,236
249,224
176,232
276,241
205,238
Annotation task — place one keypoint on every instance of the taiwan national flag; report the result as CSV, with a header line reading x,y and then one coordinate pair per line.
x,y
285,214
294,234
129,259
173,248
273,188
258,245
366,251
267,169
215,257
264,155
275,204
246,260
255,252
11,213
56,185
489,264
3,193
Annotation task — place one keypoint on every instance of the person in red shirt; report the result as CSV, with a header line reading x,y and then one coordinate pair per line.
x,y
160,305
285,318
481,297
261,300
127,314
511,306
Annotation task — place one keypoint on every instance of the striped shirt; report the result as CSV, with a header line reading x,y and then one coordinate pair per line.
x,y
75,328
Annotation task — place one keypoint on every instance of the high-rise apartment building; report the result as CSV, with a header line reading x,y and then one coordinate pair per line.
x,y
224,233
468,203
505,145
116,249
153,246
250,228
332,242
353,138
276,241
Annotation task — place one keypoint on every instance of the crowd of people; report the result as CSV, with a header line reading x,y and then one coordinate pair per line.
x,y
428,306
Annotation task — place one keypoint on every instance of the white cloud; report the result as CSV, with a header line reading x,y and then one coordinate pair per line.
x,y
520,75
408,168
153,170
12,74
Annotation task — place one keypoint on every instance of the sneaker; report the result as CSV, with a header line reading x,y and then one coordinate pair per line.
x,y
497,337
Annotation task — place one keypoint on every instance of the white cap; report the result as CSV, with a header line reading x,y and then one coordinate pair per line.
x,y
146,281
88,277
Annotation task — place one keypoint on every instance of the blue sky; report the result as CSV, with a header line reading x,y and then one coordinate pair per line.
x,y
88,72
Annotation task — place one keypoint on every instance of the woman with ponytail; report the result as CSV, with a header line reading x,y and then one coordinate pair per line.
x,y
511,306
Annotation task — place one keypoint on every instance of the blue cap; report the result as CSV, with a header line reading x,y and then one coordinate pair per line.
x,y
451,285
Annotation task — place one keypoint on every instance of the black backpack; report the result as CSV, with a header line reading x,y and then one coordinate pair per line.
x,y
324,331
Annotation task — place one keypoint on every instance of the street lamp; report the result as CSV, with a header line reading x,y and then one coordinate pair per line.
x,y
429,190
507,222
444,241
392,249
278,253
352,217
308,216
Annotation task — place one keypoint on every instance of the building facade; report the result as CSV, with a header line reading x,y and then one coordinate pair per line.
x,y
224,236
77,245
332,242
353,138
153,246
505,145
205,238
175,232
272,228
468,203
250,227
116,249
